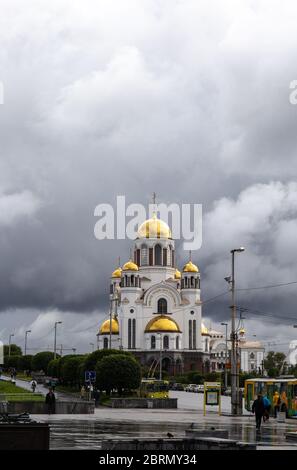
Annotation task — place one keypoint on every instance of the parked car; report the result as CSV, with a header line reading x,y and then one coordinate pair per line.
x,y
200,388
190,388
178,386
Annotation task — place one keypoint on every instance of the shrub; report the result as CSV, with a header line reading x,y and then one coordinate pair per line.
x,y
118,371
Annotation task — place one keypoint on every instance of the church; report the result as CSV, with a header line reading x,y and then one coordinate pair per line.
x,y
155,308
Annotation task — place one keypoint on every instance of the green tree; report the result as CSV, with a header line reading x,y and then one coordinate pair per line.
x,y
94,357
14,350
25,362
274,363
11,361
53,367
41,360
70,370
118,371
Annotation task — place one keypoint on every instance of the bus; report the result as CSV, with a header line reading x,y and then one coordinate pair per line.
x,y
286,388
153,388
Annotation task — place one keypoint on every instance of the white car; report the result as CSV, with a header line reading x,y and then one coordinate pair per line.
x,y
190,388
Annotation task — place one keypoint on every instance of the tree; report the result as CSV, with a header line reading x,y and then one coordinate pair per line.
x,y
274,363
41,360
118,371
11,361
53,367
94,357
70,370
14,350
25,362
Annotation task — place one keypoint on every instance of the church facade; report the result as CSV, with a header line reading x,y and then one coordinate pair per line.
x,y
156,309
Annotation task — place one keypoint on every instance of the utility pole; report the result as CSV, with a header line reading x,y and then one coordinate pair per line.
x,y
55,341
160,375
235,406
226,354
26,335
9,344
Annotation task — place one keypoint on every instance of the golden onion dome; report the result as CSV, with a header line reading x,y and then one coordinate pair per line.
x,y
154,228
162,323
177,274
242,331
117,273
190,268
204,330
130,266
105,327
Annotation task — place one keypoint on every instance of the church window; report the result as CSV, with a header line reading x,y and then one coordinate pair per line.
x,y
158,255
177,342
162,306
129,333
169,257
144,260
173,259
190,334
151,256
132,280
133,333
105,343
164,256
137,258
194,334
153,342
166,342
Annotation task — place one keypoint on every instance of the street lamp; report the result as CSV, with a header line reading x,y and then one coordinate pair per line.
x,y
235,406
26,334
226,354
55,342
92,344
160,375
9,343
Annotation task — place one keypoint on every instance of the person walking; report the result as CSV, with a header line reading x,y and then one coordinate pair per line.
x,y
50,400
259,409
267,408
276,403
33,385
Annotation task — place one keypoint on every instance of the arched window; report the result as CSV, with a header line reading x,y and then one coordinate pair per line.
x,y
144,256
169,256
153,342
252,356
177,342
162,306
190,334
158,255
133,333
194,334
166,342
129,333
105,343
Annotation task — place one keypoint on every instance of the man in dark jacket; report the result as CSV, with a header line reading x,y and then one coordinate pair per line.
x,y
259,409
50,400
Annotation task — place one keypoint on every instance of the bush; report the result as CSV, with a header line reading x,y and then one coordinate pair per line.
x,y
41,361
25,362
118,371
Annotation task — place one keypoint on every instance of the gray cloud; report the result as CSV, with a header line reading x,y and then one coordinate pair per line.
x,y
188,99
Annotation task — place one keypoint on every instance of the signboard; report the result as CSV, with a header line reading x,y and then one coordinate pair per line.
x,y
212,395
90,376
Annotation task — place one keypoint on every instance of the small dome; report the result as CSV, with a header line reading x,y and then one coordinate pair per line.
x,y
117,273
190,268
130,266
162,323
154,228
177,274
204,330
105,327
242,331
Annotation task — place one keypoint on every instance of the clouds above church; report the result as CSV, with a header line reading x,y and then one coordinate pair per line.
x,y
188,99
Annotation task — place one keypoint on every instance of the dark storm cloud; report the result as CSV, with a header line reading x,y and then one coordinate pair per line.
x,y
135,97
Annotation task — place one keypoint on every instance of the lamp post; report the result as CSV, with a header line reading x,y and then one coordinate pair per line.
x,y
26,336
9,343
226,354
235,406
160,375
55,342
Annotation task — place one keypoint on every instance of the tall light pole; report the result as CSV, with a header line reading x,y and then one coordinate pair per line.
x,y
26,336
9,343
160,374
55,342
235,406
226,354
92,344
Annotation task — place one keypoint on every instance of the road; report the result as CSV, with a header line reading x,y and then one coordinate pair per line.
x,y
194,401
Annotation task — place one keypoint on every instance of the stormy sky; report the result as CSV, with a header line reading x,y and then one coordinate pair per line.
x,y
186,98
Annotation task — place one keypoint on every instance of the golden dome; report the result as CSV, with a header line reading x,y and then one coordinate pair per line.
x,y
130,266
177,274
190,268
105,327
117,273
242,331
154,228
162,323
204,330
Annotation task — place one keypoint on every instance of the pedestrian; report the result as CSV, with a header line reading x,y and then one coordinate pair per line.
x,y
259,409
50,400
267,408
83,392
276,403
33,385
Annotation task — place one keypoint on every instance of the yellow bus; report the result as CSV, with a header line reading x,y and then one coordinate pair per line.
x,y
285,387
153,388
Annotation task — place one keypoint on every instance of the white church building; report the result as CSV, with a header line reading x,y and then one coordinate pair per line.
x,y
156,309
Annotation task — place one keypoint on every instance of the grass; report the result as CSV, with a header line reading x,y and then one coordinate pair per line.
x,y
20,376
12,393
